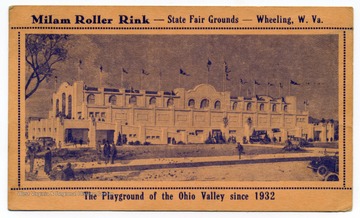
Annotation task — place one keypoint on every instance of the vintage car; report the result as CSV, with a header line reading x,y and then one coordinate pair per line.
x,y
301,142
327,167
260,136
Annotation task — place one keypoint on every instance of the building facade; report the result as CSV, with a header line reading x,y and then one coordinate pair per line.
x,y
92,114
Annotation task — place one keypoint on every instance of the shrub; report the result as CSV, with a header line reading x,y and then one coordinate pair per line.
x,y
131,143
147,143
137,142
180,143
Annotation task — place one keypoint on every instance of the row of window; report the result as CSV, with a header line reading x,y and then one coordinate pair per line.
x,y
191,103
44,129
249,106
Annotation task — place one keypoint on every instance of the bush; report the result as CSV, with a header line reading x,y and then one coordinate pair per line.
x,y
131,143
310,140
137,142
147,143
180,143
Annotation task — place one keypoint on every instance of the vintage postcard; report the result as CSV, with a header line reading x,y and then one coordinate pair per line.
x,y
180,108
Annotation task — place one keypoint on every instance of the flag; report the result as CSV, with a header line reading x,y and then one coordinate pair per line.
x,y
145,73
124,71
101,68
256,83
281,85
227,71
242,81
294,83
209,64
182,72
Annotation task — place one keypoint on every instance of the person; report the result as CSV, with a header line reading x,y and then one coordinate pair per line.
x,y
47,157
59,145
106,152
113,152
30,155
98,151
68,173
240,149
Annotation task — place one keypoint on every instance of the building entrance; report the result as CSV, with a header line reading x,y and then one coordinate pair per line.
x,y
74,135
105,135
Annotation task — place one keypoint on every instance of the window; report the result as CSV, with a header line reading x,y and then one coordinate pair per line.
x,y
70,106
44,129
49,129
112,100
285,108
262,107
191,103
152,101
91,99
204,104
170,102
217,105
274,108
57,106
63,103
248,106
132,100
54,129
91,114
234,106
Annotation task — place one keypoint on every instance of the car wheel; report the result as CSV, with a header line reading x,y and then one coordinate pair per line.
x,y
322,170
332,177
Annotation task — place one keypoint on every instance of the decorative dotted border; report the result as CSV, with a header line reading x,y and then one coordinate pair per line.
x,y
182,188
19,109
187,188
184,28
344,108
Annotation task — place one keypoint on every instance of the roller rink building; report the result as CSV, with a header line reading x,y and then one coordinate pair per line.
x,y
79,112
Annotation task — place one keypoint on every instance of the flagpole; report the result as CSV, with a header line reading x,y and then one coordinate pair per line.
x,y
254,89
79,70
122,78
279,89
160,80
239,92
179,84
289,88
141,75
100,79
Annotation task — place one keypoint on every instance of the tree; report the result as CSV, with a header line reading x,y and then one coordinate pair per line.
x,y
43,51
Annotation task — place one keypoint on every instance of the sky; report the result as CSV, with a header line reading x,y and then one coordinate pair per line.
x,y
310,60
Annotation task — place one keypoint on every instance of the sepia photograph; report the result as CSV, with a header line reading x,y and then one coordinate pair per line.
x,y
251,107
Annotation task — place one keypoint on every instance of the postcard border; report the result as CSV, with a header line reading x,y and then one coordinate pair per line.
x,y
182,188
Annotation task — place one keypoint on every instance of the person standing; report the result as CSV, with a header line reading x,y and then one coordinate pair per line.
x,y
68,173
240,149
106,152
98,151
47,157
113,152
30,154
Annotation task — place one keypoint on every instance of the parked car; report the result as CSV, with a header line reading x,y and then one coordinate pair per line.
x,y
327,167
260,136
301,142
46,141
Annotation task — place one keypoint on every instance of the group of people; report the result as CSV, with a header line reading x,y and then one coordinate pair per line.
x,y
64,173
107,151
